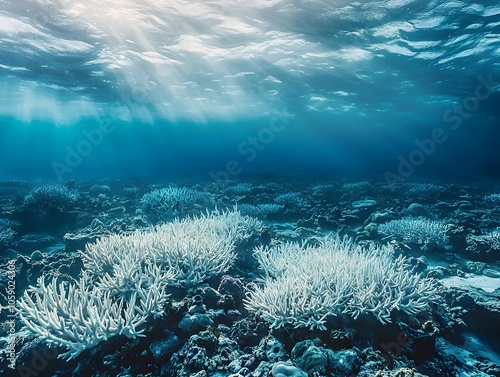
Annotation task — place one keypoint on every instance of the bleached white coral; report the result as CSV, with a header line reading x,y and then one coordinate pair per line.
x,y
424,188
492,198
50,197
416,230
238,189
260,210
291,199
170,202
356,186
80,315
192,249
488,242
6,235
7,232
126,279
303,285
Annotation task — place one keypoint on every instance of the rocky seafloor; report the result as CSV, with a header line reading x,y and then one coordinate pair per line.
x,y
446,231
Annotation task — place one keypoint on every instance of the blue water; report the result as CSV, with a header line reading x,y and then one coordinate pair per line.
x,y
214,90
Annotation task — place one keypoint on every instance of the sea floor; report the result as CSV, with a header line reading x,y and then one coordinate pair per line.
x,y
447,232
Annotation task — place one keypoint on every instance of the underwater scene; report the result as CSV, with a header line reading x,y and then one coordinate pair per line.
x,y
266,188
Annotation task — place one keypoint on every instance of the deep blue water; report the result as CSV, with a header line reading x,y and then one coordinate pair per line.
x,y
215,90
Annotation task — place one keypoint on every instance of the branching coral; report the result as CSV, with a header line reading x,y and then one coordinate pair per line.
x,y
416,230
80,315
193,249
260,210
487,242
167,203
303,285
6,232
126,279
48,198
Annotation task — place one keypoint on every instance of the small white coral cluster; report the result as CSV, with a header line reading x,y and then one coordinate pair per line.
x,y
424,188
6,232
170,202
238,189
260,210
303,285
489,241
356,186
291,199
50,197
416,230
126,279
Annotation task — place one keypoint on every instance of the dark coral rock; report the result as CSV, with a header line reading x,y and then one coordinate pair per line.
x,y
163,349
227,351
343,363
233,315
309,357
271,349
195,322
244,333
35,241
233,287
206,339
198,354
196,358
226,302
197,306
340,339
484,247
416,210
249,361
243,372
36,256
211,297
201,373
371,362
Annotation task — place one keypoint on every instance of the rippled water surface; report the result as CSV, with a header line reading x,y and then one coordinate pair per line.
x,y
350,87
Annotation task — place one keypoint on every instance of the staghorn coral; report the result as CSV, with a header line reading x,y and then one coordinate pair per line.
x,y
194,249
303,285
80,315
7,232
416,230
126,279
49,198
167,203
260,210
484,243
